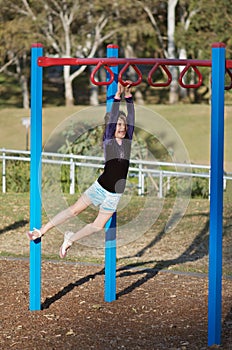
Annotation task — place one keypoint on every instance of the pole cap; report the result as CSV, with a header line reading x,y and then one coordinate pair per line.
x,y
219,44
36,45
112,46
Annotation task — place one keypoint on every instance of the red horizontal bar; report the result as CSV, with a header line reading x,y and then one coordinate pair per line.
x,y
48,61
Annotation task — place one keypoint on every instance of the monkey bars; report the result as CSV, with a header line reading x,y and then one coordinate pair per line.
x,y
156,63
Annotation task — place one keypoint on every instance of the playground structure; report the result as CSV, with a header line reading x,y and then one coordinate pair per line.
x,y
220,66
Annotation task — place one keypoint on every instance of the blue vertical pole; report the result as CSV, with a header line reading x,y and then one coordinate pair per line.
x,y
35,176
216,194
110,228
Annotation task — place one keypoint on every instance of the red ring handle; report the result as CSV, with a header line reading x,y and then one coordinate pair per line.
x,y
186,68
154,69
123,70
100,83
228,87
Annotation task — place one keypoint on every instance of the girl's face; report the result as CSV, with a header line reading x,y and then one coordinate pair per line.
x,y
120,131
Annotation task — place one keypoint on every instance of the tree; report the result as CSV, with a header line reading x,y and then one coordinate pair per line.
x,y
66,27
82,29
204,25
78,28
14,48
168,49
190,26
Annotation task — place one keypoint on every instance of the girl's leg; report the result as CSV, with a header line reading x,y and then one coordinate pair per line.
x,y
96,226
81,204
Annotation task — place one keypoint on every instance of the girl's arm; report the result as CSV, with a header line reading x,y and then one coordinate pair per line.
x,y
130,110
111,125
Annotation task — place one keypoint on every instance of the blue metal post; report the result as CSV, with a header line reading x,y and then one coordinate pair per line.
x,y
216,194
35,176
110,235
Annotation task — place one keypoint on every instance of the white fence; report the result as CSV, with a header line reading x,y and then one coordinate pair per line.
x,y
138,168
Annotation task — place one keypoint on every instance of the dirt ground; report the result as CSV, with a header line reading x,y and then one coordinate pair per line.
x,y
153,309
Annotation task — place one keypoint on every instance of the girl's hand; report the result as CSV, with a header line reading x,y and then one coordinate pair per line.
x,y
119,91
128,88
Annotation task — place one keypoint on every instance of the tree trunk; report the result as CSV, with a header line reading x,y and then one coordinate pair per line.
x,y
139,97
69,100
174,87
25,91
20,67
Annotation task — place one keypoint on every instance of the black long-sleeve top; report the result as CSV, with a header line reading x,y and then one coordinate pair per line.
x,y
117,157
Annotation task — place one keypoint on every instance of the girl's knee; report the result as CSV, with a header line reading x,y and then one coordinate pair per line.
x,y
102,219
73,210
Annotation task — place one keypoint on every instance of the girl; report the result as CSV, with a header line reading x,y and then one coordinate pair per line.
x,y
107,190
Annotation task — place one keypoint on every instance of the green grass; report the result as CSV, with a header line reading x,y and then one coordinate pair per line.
x,y
13,133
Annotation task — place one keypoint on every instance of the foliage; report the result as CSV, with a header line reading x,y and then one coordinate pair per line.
x,y
200,188
17,176
17,35
208,24
80,138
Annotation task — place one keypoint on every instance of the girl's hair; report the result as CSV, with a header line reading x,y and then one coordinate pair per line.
x,y
121,115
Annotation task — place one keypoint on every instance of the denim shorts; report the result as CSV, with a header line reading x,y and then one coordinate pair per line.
x,y
103,198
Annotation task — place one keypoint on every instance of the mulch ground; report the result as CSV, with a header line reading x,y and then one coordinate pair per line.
x,y
153,310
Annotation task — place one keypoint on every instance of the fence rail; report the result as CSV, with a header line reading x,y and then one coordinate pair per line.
x,y
139,168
